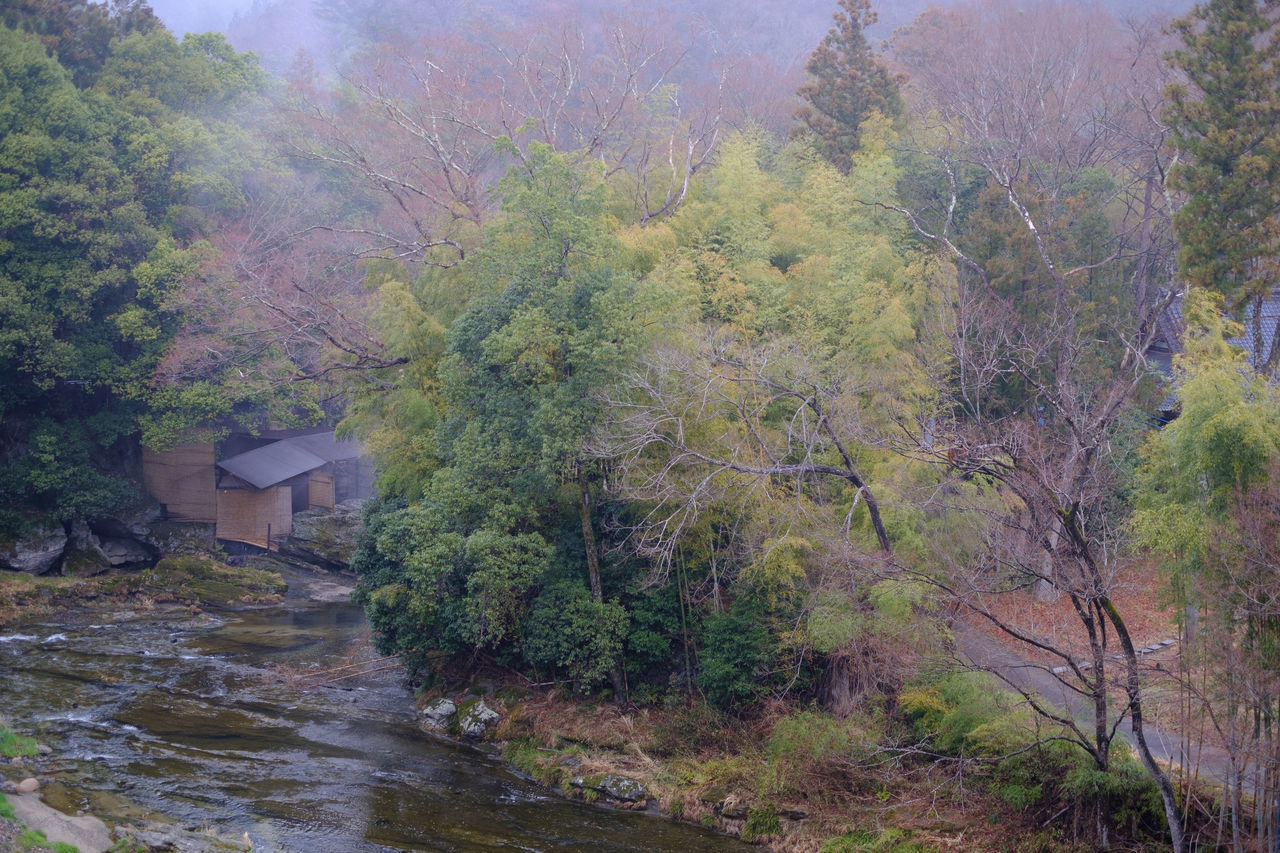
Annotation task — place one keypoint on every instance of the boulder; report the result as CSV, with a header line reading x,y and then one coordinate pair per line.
x,y
86,834
132,522
83,557
324,539
436,715
37,551
172,537
120,551
476,719
616,787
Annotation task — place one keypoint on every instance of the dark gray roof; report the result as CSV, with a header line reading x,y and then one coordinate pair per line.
x,y
328,448
271,464
276,462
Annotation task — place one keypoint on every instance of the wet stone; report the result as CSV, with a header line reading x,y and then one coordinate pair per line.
x,y
437,714
477,719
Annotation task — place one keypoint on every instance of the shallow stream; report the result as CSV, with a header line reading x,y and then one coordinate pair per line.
x,y
187,718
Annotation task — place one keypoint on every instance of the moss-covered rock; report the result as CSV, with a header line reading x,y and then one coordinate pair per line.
x,y
614,786
204,580
475,718
324,539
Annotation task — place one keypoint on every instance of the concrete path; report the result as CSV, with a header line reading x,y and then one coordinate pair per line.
x,y
982,652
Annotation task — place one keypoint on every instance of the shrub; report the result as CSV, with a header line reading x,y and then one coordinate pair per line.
x,y
761,821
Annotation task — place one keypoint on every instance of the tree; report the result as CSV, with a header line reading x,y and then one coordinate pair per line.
x,y
747,446
499,554
847,83
96,187
1042,202
1225,119
1206,503
79,33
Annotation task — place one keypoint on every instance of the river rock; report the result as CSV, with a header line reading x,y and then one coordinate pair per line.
x,y
324,539
28,785
177,840
185,538
474,721
83,557
85,833
437,714
614,786
122,552
133,522
37,551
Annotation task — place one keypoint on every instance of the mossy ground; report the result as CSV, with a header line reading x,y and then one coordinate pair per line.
x,y
193,581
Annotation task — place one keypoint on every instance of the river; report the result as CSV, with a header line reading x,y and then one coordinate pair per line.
x,y
188,718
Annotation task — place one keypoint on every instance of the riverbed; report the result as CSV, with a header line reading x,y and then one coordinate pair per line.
x,y
201,719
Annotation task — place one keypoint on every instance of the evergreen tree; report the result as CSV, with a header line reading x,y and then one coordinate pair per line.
x,y
1226,120
846,84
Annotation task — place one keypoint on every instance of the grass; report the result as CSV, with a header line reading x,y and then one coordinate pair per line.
x,y
34,839
14,745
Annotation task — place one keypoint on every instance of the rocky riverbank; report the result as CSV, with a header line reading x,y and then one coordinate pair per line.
x,y
180,585
30,825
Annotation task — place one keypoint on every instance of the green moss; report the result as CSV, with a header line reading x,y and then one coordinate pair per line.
x,y
525,756
128,844
208,581
34,839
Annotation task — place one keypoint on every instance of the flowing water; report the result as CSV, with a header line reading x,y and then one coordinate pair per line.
x,y
187,718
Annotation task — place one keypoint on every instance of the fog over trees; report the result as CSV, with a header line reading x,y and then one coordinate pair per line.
x,y
839,371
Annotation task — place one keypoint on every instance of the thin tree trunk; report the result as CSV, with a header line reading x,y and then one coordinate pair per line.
x,y
593,574
589,542
1132,687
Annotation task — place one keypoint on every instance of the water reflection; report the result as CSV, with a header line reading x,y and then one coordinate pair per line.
x,y
185,719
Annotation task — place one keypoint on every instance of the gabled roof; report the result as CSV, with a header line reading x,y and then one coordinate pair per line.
x,y
276,462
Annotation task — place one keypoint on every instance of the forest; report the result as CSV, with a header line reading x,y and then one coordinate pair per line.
x,y
695,380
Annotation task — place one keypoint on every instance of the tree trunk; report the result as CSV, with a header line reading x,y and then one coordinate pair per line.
x,y
593,574
1177,840
589,543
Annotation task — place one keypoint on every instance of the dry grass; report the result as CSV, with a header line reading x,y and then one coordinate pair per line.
x,y
708,769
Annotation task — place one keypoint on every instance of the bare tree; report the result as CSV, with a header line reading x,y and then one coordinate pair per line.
x,y
1043,381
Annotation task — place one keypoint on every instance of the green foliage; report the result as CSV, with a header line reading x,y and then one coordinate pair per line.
x,y
13,745
1222,445
738,662
488,555
1052,774
961,715
568,631
79,34
762,821
847,83
884,841
1226,118
88,266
